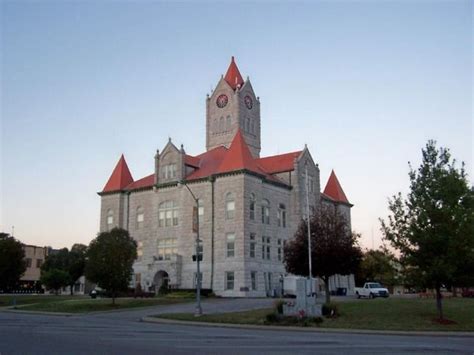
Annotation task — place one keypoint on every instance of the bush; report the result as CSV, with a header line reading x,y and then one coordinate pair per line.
x,y
278,306
271,318
330,310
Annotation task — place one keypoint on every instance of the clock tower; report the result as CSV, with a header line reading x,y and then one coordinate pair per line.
x,y
233,106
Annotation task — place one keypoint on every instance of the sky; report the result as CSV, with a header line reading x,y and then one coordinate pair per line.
x,y
364,84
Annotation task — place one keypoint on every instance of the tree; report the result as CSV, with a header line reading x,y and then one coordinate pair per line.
x,y
378,265
433,227
72,262
12,262
54,279
110,257
334,248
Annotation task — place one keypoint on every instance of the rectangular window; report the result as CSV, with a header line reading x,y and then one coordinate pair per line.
x,y
253,280
229,280
139,249
266,249
230,209
28,262
166,248
39,262
252,210
283,219
252,245
279,249
230,245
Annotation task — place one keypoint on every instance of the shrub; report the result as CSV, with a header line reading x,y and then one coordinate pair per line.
x,y
330,310
278,306
271,318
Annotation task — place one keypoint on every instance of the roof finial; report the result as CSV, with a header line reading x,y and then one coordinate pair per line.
x,y
232,59
169,139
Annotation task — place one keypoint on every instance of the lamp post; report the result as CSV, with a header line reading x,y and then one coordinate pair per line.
x,y
198,311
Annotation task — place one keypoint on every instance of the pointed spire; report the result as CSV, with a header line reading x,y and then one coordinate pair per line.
x,y
238,157
233,77
334,190
120,178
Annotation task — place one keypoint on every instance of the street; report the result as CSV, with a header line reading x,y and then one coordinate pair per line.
x,y
122,332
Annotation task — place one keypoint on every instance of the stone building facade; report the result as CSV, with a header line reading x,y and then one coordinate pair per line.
x,y
249,206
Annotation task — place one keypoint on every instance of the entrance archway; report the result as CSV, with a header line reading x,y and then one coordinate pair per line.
x,y
161,279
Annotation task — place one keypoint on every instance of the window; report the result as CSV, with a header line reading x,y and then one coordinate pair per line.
x,y
310,184
28,262
279,249
229,206
252,206
281,215
229,280
265,212
166,248
200,209
253,245
110,219
167,214
230,245
140,217
247,125
39,262
266,250
169,171
228,123
253,280
221,124
139,249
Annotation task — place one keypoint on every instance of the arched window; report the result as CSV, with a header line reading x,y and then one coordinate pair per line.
x,y
228,123
229,206
110,219
252,206
140,217
167,214
281,215
265,212
221,124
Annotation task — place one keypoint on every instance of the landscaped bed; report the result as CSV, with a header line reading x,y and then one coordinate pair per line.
x,y
378,314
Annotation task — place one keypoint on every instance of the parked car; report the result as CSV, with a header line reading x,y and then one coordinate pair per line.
x,y
371,290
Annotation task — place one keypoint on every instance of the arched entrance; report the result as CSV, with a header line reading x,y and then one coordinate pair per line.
x,y
161,279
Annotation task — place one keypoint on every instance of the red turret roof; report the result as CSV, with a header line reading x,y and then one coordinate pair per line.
x,y
120,178
233,76
334,190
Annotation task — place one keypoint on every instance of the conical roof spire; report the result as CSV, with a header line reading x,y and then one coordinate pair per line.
x,y
334,190
120,178
233,76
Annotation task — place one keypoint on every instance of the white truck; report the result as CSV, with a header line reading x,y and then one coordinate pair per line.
x,y
371,290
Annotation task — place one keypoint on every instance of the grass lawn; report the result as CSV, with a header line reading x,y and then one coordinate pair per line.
x,y
377,314
7,300
100,304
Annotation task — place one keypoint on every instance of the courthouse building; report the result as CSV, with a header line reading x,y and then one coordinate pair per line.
x,y
248,205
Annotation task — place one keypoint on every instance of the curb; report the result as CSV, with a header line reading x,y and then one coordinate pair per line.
x,y
309,329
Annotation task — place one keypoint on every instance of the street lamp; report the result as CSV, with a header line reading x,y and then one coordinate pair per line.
x,y
198,311
309,231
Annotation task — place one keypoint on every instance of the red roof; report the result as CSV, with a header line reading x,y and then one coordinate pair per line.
x,y
209,163
279,163
120,177
147,181
233,76
191,161
334,190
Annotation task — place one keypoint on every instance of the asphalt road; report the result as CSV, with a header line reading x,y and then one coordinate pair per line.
x,y
123,333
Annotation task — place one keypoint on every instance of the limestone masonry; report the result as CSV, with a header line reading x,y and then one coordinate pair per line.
x,y
248,206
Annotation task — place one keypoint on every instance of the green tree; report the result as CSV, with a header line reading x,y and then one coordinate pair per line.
x,y
433,227
378,265
110,257
54,279
72,262
12,262
334,248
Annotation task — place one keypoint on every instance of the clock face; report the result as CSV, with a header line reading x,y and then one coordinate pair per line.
x,y
248,102
222,101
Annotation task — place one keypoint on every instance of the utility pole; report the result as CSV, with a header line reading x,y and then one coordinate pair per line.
x,y
198,311
309,230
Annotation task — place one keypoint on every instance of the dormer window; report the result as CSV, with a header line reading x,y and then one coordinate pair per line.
x,y
169,171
